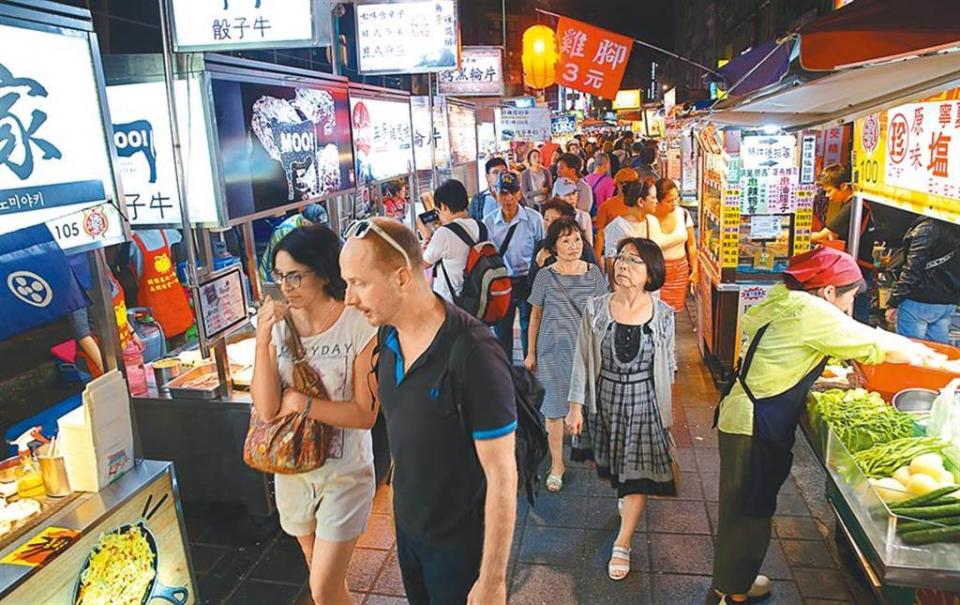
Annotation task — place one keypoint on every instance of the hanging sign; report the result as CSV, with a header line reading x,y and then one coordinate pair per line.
x,y
423,156
563,123
628,99
909,156
480,73
592,60
462,125
382,141
525,124
54,157
141,136
407,37
808,158
281,144
200,25
768,151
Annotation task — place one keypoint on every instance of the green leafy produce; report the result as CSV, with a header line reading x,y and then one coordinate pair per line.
x,y
884,459
860,419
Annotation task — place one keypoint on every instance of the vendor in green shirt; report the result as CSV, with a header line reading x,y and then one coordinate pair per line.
x,y
312,214
792,333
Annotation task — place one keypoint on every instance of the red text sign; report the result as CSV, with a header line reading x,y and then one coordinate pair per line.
x,y
592,60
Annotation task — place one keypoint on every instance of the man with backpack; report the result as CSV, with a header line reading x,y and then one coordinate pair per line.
x,y
485,202
516,231
449,246
448,398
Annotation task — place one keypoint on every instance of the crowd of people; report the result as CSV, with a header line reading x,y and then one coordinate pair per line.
x,y
600,257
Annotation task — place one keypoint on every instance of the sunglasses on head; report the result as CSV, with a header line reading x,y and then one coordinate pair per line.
x,y
361,228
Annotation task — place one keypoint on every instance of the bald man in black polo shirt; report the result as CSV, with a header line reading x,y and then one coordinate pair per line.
x,y
451,419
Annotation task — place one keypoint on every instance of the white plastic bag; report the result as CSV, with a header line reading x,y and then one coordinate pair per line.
x,y
945,414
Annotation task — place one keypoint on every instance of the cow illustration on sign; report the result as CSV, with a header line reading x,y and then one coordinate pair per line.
x,y
17,138
289,130
136,137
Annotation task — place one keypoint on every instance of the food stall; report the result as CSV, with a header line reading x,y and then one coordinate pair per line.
x,y
80,508
461,118
755,210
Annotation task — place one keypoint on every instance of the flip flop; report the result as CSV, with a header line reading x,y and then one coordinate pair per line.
x,y
554,483
619,571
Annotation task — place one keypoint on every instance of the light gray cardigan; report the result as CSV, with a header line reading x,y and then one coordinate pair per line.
x,y
526,185
588,357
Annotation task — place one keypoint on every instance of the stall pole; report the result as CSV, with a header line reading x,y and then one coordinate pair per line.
x,y
413,187
102,314
856,218
168,77
433,135
334,39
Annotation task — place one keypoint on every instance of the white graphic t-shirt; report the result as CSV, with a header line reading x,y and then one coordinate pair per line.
x,y
332,354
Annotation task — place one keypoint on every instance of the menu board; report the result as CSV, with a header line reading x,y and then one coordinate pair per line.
x,y
281,145
423,156
223,305
54,155
407,37
769,178
141,135
462,122
480,73
382,138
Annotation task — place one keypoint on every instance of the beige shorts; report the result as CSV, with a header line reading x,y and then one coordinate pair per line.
x,y
331,505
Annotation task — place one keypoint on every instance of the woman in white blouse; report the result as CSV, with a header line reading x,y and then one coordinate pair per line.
x,y
672,228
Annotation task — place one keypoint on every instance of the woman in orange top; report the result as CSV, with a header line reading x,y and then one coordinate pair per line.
x,y
613,207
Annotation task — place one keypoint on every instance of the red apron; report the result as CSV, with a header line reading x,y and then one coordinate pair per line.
x,y
160,289
120,310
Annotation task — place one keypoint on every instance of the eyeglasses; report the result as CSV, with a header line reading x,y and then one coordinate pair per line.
x,y
630,259
360,229
293,279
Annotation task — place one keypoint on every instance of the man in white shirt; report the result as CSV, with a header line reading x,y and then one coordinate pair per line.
x,y
446,251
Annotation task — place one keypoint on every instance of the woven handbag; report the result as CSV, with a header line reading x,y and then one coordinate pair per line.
x,y
294,443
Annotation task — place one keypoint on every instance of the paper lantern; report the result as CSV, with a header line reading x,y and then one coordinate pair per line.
x,y
539,56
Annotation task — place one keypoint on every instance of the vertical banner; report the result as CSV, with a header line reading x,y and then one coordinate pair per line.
x,y
592,60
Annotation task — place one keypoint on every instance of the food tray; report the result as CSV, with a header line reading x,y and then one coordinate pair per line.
x,y
889,378
202,382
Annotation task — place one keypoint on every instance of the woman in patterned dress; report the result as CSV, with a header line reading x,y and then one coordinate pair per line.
x,y
623,371
558,295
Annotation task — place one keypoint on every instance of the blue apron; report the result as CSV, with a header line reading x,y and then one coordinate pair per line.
x,y
775,422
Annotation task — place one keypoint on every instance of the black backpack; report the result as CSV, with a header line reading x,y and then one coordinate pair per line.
x,y
531,434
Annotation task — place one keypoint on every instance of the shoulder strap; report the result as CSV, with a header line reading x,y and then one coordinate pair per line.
x,y
506,241
460,232
744,368
293,339
446,277
563,291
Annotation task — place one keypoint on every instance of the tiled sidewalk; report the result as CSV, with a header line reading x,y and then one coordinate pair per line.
x,y
561,547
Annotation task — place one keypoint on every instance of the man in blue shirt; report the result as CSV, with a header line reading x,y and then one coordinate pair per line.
x,y
516,231
485,202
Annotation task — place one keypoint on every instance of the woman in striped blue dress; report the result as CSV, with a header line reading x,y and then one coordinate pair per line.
x,y
558,295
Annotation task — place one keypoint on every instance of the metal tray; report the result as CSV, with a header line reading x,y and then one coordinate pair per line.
x,y
182,385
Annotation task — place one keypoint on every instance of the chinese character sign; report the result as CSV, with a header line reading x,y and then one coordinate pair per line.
x,y
382,138
407,37
462,123
244,24
525,124
141,136
480,73
769,151
54,154
923,148
592,60
423,156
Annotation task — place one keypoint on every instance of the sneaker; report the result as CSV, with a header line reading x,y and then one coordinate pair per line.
x,y
760,588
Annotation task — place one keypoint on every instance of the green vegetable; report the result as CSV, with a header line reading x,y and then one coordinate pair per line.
x,y
905,527
883,460
930,512
931,536
928,498
860,418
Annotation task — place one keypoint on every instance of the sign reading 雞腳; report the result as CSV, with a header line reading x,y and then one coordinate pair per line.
x,y
246,24
407,37
592,60
141,136
54,157
480,73
923,147
382,139
531,124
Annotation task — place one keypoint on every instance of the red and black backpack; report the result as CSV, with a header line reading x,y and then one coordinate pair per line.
x,y
486,284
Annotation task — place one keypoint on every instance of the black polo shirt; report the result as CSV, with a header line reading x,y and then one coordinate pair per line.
x,y
434,412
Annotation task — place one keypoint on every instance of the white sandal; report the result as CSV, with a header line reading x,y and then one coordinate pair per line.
x,y
619,571
554,483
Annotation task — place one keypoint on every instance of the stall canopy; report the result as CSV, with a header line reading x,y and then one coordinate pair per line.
x,y
834,74
756,68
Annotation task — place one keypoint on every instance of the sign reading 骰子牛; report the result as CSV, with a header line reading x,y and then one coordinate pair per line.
x,y
407,37
480,73
246,24
54,160
592,60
